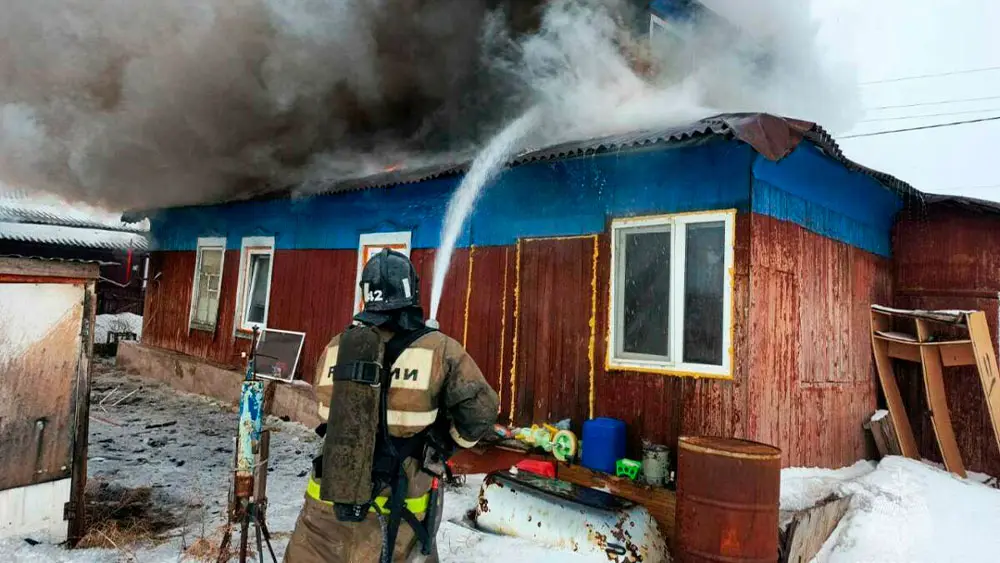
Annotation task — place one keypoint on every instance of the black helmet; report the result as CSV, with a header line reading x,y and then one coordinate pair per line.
x,y
389,282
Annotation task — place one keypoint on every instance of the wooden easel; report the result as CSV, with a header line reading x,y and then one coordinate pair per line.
x,y
968,344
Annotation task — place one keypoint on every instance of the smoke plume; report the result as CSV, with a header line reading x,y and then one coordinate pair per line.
x,y
167,102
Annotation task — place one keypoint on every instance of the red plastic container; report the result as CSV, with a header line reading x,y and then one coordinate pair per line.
x,y
543,468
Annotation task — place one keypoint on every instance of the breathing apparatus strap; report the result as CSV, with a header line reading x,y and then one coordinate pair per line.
x,y
399,482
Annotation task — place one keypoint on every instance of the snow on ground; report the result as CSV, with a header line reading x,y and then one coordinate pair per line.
x,y
803,488
120,322
187,465
901,510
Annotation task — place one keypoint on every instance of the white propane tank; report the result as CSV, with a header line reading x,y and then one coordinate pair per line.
x,y
565,516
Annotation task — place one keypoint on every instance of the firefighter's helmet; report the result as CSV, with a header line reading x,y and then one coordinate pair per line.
x,y
389,282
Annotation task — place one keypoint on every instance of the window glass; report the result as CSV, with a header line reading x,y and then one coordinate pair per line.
x,y
704,288
209,277
258,288
645,293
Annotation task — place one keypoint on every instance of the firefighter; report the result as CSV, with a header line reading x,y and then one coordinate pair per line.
x,y
434,400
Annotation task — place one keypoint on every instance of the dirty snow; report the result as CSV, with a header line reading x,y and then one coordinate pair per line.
x,y
901,510
120,322
187,465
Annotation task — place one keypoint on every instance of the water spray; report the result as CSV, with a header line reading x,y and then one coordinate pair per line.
x,y
483,170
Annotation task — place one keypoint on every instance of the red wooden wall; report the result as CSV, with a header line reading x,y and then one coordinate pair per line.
x,y
535,318
812,382
950,259
311,291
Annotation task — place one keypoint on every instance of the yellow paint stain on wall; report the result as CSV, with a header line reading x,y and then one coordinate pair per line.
x,y
593,323
517,311
503,322
468,296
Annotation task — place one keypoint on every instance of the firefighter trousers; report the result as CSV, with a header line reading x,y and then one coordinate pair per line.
x,y
320,538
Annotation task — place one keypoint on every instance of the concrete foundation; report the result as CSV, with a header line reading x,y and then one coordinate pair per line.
x,y
196,375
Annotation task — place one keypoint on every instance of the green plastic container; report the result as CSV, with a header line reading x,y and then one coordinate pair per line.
x,y
628,468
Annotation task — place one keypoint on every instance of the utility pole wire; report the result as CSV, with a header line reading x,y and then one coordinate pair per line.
x,y
942,102
934,75
936,126
920,116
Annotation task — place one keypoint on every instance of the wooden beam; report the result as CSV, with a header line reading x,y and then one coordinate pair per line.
x,y
986,362
660,502
958,354
811,528
940,417
886,375
29,267
903,351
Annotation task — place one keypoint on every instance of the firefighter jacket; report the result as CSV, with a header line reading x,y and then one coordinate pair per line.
x,y
434,373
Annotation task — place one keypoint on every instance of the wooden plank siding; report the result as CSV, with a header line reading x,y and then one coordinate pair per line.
x,y
311,291
535,318
813,381
949,259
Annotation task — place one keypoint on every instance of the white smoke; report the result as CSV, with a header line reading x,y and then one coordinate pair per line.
x,y
166,102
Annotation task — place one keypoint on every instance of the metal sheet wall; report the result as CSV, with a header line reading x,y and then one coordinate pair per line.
x,y
949,260
812,381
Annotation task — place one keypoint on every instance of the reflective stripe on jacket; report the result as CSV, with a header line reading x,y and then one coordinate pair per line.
x,y
417,505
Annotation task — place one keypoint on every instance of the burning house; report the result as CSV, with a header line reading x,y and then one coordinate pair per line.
x,y
713,278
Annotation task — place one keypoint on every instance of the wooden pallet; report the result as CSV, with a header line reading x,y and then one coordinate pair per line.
x,y
968,344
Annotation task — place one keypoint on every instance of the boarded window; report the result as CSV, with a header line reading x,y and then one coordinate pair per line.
x,y
671,287
207,283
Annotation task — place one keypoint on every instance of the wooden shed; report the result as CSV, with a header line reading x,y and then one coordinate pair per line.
x,y
46,319
947,256
712,278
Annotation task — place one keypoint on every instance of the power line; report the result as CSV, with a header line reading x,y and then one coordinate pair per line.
x,y
934,75
945,114
942,102
969,187
936,126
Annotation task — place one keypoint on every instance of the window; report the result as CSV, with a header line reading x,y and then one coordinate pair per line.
x,y
207,283
252,300
372,244
671,288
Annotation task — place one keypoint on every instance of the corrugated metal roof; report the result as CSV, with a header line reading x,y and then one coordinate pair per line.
x,y
52,259
772,136
964,203
72,236
17,206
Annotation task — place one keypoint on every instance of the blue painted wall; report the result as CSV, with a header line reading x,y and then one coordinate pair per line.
x,y
820,194
564,198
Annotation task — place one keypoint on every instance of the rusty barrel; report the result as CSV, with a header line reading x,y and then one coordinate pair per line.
x,y
727,500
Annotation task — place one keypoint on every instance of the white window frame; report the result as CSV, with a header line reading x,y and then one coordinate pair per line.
x,y
213,243
677,224
398,241
252,246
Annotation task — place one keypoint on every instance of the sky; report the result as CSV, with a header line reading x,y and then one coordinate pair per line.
x,y
891,39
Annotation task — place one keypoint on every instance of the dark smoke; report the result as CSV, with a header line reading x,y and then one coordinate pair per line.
x,y
155,103
165,102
